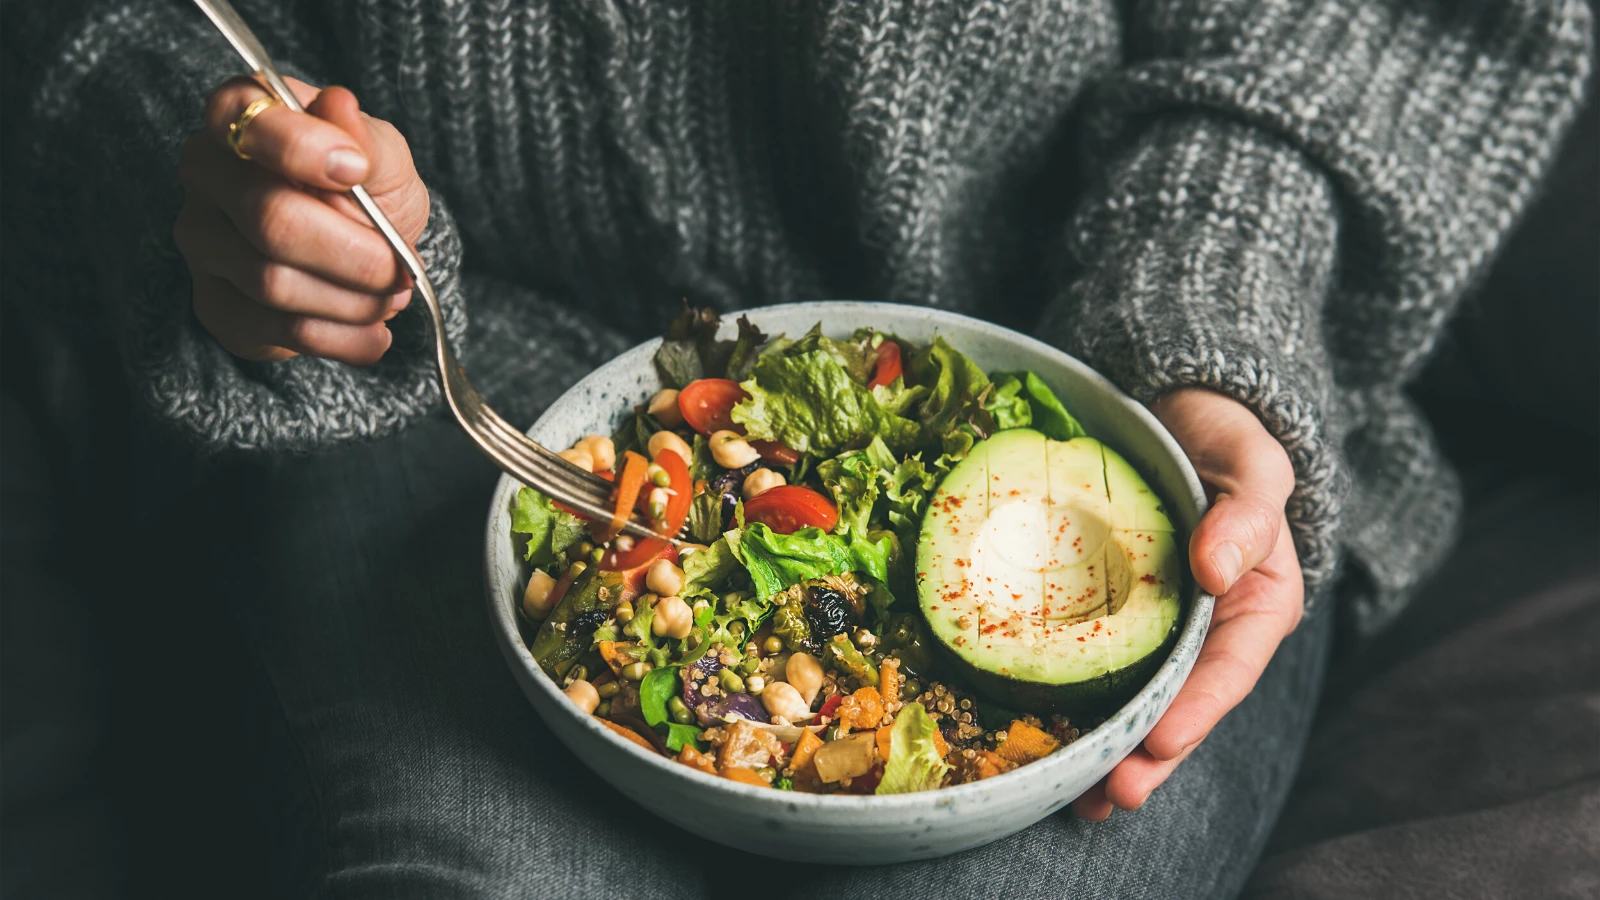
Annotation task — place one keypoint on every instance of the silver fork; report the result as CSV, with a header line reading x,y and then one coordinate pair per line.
x,y
510,449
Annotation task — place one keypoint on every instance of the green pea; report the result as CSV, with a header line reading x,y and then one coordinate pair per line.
x,y
772,645
911,688
623,612
594,556
609,689
731,682
679,711
604,709
767,773
636,671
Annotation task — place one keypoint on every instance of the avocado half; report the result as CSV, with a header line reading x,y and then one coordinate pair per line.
x,y
1049,573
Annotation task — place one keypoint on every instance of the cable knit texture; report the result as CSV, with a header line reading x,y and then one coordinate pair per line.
x,y
1279,199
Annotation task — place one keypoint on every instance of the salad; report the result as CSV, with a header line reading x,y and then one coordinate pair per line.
x,y
901,572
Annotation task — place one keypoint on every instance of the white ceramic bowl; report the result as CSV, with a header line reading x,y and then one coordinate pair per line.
x,y
854,829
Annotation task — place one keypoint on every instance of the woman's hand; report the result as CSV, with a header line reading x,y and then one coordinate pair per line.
x,y
1242,552
283,262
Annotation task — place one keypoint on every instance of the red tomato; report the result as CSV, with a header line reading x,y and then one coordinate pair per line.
x,y
682,487
831,706
635,562
888,367
868,783
789,508
706,404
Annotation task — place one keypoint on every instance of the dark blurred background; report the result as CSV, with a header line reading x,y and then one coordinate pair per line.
x,y
127,725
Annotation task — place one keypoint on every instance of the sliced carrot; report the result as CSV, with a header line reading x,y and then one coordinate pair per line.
x,y
633,475
628,733
804,750
612,653
742,775
1025,743
889,680
691,756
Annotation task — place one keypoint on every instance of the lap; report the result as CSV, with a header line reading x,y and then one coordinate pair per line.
x,y
359,588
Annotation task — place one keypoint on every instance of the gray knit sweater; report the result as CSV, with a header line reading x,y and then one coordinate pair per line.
x,y
1279,199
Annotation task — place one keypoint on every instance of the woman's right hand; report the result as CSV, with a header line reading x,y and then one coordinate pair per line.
x,y
284,262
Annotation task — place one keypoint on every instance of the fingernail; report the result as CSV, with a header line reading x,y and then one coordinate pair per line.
x,y
347,166
1229,560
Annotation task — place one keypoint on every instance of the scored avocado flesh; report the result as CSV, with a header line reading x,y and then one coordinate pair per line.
x,y
1050,572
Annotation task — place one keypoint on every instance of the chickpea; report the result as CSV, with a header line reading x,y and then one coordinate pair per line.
x,y
664,578
783,700
663,441
536,599
578,457
755,684
760,481
804,673
584,695
663,408
732,451
673,618
601,449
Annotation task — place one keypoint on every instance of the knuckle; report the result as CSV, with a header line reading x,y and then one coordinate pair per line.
x,y
369,267
303,334
277,219
275,283
223,105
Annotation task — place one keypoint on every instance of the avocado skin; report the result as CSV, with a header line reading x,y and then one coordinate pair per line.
x,y
1098,696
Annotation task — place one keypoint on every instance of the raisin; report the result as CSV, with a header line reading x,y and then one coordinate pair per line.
x,y
828,613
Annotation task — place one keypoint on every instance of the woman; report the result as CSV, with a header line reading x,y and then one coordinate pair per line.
x,y
1254,216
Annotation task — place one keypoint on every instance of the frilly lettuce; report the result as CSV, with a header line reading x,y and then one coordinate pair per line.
x,y
914,763
807,399
550,529
778,561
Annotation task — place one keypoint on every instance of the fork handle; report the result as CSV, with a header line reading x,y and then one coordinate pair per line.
x,y
244,41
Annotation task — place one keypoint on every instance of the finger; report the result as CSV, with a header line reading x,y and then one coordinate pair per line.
x,y
296,145
1133,780
1093,806
1241,528
292,227
250,330
393,176
1250,621
210,244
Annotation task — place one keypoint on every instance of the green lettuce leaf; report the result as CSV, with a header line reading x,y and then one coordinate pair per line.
x,y
1049,416
1008,404
778,561
550,529
705,517
709,568
954,384
810,402
691,350
679,735
658,686
914,763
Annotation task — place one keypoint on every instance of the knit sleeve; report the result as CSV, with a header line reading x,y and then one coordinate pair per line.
x,y
1294,195
107,98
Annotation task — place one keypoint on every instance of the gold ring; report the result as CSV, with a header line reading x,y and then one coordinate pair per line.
x,y
236,129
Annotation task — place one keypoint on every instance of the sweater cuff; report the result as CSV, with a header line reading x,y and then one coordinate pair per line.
x,y
1204,261
303,404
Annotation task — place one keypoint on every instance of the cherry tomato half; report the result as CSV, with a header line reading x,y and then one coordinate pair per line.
x,y
888,367
789,508
706,404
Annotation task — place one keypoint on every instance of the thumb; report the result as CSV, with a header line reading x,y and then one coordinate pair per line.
x,y
393,179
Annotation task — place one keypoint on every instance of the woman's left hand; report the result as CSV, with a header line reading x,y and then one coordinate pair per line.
x,y
1241,552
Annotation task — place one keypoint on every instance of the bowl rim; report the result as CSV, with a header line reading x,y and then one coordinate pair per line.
x,y
1197,613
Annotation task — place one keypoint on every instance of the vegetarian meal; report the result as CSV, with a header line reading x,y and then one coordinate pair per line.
x,y
900,573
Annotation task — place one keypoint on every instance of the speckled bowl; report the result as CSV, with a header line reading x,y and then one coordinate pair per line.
x,y
852,829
